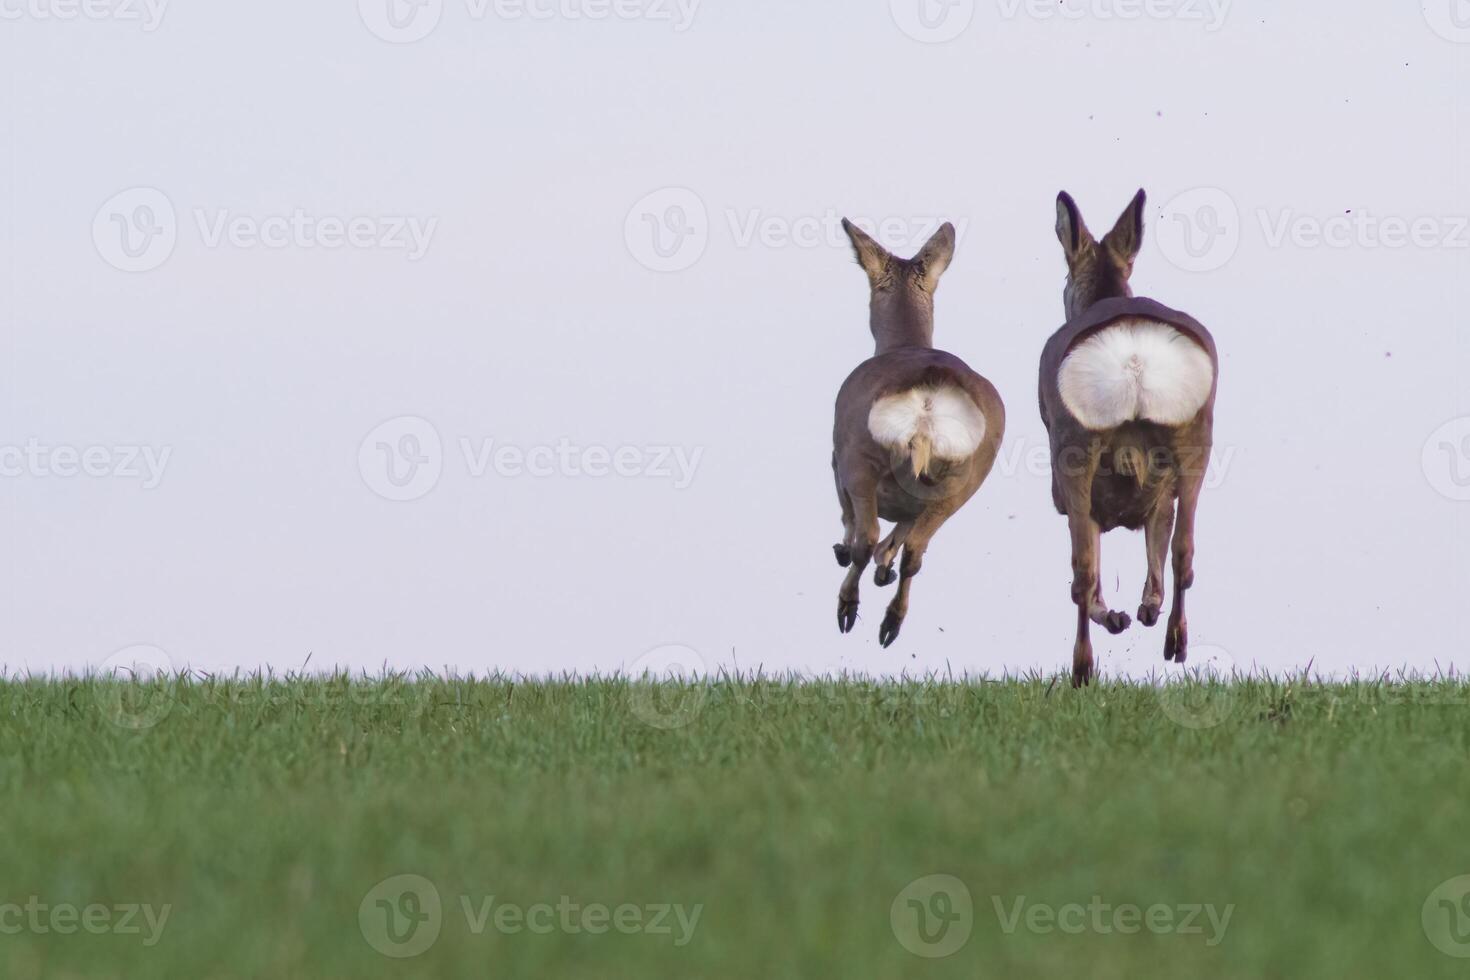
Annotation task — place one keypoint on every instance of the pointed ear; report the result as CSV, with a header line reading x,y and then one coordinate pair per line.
x,y
1126,238
871,256
1071,230
936,255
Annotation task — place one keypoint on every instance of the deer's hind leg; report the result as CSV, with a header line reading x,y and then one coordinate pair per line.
x,y
843,548
864,539
1156,531
1176,637
887,551
917,536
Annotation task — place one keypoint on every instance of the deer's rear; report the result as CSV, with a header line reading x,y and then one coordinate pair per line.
x,y
1127,395
916,430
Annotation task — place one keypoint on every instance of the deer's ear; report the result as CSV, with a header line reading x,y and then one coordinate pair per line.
x,y
1126,238
1071,230
936,255
870,255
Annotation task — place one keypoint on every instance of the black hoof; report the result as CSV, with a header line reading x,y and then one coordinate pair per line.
x,y
1116,622
843,553
846,615
888,632
1148,615
883,574
1176,644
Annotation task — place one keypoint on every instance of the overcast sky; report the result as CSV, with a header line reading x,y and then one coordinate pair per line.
x,y
488,334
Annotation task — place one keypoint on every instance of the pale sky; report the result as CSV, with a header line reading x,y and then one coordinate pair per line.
x,y
254,253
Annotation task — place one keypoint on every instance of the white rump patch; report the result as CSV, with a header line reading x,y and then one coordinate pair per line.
x,y
954,424
1136,369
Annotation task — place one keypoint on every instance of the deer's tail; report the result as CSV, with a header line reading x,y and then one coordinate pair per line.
x,y
927,423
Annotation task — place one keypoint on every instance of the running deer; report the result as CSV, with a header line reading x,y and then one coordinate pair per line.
x,y
916,430
1128,398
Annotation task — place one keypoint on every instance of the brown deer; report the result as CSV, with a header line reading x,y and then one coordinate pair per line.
x,y
916,430
1128,398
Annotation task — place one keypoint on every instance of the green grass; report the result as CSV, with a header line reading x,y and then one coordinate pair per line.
x,y
263,813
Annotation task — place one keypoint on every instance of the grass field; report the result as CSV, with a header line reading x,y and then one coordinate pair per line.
x,y
732,829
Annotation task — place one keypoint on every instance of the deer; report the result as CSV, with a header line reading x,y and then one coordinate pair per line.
x,y
916,431
1127,392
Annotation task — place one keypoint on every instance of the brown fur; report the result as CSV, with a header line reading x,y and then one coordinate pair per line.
x,y
1132,475
914,491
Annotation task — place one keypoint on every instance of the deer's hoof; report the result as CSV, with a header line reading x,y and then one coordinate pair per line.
x,y
846,614
843,553
888,632
1176,643
1081,678
883,575
1116,622
1148,614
